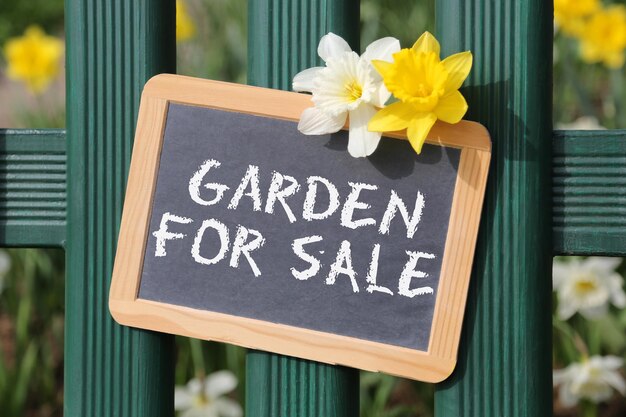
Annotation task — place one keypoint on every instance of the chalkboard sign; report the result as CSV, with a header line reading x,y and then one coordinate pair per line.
x,y
238,228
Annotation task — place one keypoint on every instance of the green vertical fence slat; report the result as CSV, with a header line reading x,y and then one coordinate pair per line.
x,y
283,36
504,365
113,47
32,187
282,40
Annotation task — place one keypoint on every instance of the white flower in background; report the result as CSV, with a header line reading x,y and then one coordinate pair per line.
x,y
5,266
347,85
582,123
593,379
206,398
587,286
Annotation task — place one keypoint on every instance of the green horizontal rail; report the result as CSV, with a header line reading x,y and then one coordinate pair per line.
x,y
589,192
33,191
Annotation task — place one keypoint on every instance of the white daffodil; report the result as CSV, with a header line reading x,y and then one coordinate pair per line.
x,y
587,286
582,123
206,398
593,379
347,85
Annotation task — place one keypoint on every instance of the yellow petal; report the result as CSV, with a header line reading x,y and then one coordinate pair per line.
x,y
614,60
451,107
383,67
458,67
394,117
419,128
427,43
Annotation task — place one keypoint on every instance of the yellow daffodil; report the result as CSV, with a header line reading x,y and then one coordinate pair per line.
x,y
426,87
185,28
33,58
570,15
604,37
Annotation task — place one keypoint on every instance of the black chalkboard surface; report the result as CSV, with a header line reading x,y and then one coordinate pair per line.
x,y
244,223
238,142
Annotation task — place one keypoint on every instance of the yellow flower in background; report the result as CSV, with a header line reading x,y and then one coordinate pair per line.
x,y
604,37
185,28
33,58
570,15
426,87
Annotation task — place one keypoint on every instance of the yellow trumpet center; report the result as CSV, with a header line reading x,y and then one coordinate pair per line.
x,y
585,286
354,91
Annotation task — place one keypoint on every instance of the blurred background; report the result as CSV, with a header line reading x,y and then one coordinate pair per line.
x,y
589,317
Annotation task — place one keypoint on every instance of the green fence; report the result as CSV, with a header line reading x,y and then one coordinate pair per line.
x,y
541,201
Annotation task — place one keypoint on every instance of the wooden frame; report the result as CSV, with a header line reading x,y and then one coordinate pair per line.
x,y
433,365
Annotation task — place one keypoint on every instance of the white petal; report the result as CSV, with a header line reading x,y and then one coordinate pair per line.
x,y
183,399
560,272
559,376
194,386
618,298
219,383
567,397
205,411
602,264
381,49
228,408
332,46
566,309
314,122
611,362
380,96
594,312
304,80
616,381
332,94
361,141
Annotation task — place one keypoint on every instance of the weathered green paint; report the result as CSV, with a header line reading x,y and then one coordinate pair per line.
x,y
504,365
282,40
589,192
113,48
32,187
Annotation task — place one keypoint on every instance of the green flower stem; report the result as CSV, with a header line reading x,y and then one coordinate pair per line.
x,y
573,78
594,337
588,409
197,358
568,342
617,94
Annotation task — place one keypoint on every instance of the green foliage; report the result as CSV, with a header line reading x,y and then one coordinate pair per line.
x,y
404,20
218,50
582,89
386,396
197,358
47,118
17,15
31,333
